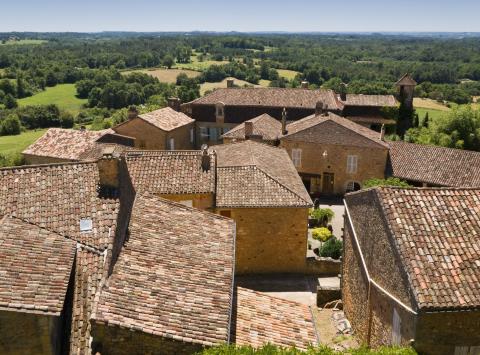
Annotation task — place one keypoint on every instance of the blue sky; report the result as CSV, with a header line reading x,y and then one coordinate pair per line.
x,y
240,15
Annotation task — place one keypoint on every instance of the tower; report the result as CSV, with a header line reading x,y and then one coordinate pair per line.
x,y
406,87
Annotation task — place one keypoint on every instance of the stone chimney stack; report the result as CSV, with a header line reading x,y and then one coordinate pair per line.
x,y
284,121
174,103
132,112
382,133
230,83
109,172
319,108
343,92
304,84
248,129
205,158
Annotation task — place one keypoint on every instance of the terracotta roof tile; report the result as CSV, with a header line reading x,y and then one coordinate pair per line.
x,y
167,119
434,165
254,174
262,319
35,267
174,276
370,100
170,172
270,97
406,79
333,129
264,126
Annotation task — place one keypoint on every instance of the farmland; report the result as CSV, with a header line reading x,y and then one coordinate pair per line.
x,y
16,144
22,42
62,95
165,75
223,84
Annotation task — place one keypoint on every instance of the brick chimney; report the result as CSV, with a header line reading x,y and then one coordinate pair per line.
x,y
132,112
343,92
174,103
109,173
319,108
304,84
248,129
284,121
230,83
205,158
382,133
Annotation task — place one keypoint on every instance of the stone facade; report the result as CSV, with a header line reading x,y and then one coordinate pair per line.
x,y
150,137
200,201
37,160
314,167
109,340
269,240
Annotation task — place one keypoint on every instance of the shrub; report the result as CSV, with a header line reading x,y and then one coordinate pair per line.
x,y
391,181
66,120
322,215
322,234
10,126
332,248
11,160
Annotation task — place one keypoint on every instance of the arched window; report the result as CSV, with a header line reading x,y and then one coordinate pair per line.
x,y
353,186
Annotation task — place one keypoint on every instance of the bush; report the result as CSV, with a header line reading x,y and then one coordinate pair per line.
x,y
10,126
11,160
332,248
391,181
66,120
322,215
322,234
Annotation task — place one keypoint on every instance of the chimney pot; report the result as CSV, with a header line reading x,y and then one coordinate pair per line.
x,y
230,83
304,84
382,133
174,103
284,121
319,108
248,129
205,158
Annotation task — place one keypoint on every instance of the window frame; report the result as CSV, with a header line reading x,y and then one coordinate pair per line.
x,y
297,157
352,164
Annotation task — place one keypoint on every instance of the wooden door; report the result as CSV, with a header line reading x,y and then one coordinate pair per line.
x,y
328,183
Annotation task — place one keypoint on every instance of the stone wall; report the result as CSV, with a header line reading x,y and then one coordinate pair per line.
x,y
270,240
113,340
371,162
181,137
36,160
322,266
200,201
28,333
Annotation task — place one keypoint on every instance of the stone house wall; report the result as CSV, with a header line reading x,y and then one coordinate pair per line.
x,y
37,160
181,136
200,201
114,340
24,333
269,240
371,162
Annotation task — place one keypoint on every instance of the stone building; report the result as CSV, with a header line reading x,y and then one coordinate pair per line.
x,y
263,128
427,165
410,268
163,129
406,90
334,155
59,145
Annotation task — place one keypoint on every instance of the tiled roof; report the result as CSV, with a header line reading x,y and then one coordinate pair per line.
x,y
262,319
371,119
270,97
437,234
332,129
167,119
35,267
67,144
174,275
170,172
264,126
56,197
97,150
406,80
434,165
252,174
370,100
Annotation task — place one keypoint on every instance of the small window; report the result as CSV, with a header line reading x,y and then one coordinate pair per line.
x,y
192,135
315,184
204,134
297,157
213,134
86,225
352,162
353,186
171,144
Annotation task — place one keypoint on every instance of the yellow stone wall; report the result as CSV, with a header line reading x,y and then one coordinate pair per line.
x,y
200,201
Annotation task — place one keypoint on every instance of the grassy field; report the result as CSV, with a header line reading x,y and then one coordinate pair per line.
x,y
264,83
432,114
62,95
16,144
23,42
222,84
287,74
165,75
429,104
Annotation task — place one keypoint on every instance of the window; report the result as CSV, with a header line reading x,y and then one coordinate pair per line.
x,y
204,134
297,157
213,134
352,161
315,184
396,326
219,111
86,225
171,144
353,186
192,135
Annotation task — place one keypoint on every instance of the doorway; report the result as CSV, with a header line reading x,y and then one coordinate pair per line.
x,y
328,183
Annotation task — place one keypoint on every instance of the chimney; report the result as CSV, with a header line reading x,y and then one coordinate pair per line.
x,y
132,112
343,92
205,158
230,83
304,84
248,129
284,121
108,170
319,108
83,128
382,133
325,110
174,103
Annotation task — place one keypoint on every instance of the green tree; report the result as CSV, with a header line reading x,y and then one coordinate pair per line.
x,y
10,126
10,101
66,119
168,61
391,181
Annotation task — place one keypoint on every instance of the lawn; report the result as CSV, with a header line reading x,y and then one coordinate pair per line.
x,y
165,75
432,114
62,95
429,104
17,144
287,74
23,42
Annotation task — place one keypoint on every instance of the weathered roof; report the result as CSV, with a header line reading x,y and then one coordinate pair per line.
x,y
167,119
262,319
434,165
270,97
35,267
66,144
369,100
332,129
370,119
437,234
57,197
407,80
264,126
174,276
170,172
252,174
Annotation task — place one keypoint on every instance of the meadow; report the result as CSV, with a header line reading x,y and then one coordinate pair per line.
x,y
16,144
165,75
23,42
62,95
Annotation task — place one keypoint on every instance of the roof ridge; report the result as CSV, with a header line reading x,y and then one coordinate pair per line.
x,y
33,166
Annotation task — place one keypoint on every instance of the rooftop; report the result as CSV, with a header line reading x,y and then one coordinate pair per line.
x,y
370,100
434,165
167,119
264,126
407,80
270,97
174,277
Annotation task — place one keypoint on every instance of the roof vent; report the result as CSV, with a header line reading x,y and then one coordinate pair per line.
x,y
86,225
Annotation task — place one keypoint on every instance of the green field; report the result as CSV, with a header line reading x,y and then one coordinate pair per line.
x,y
23,42
17,144
62,95
287,74
432,114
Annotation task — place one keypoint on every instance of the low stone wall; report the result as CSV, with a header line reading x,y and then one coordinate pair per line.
x,y
319,266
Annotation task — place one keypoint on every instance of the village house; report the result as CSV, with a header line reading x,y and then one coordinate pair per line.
x,y
163,129
410,273
68,145
263,128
